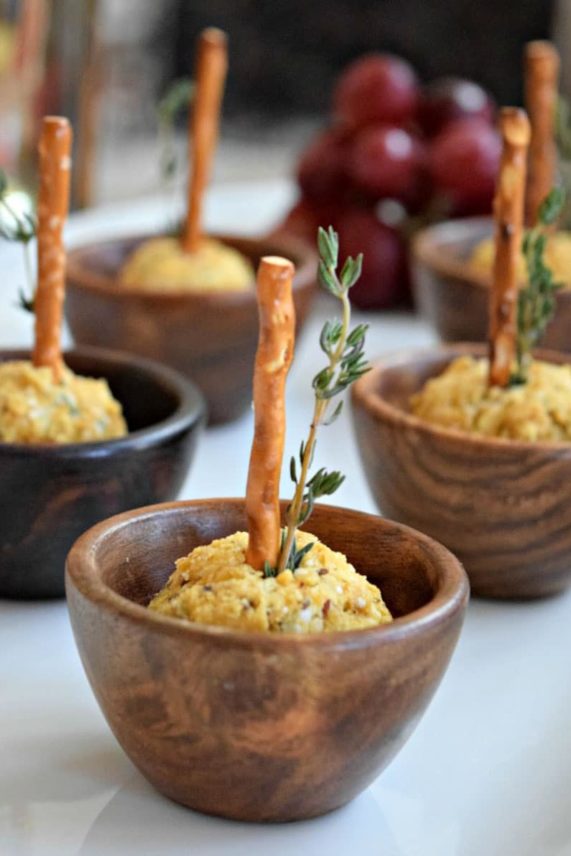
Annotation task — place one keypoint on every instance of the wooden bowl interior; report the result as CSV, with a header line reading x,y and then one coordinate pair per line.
x,y
397,383
135,559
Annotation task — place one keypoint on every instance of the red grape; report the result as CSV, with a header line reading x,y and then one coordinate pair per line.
x,y
322,173
386,161
451,98
376,88
305,218
383,280
463,163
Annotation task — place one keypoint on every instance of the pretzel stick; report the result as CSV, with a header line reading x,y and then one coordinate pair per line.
x,y
541,83
210,74
53,201
508,214
27,69
273,359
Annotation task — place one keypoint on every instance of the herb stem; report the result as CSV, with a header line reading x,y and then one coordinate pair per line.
x,y
294,510
343,339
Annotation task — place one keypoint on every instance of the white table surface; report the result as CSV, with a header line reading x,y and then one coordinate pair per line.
x,y
486,773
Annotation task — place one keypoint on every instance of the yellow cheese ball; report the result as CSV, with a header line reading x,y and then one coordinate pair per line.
x,y
161,264
215,585
557,258
36,409
460,398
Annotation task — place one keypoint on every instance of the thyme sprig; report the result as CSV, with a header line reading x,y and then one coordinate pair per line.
x,y
563,127
174,102
346,362
18,228
536,301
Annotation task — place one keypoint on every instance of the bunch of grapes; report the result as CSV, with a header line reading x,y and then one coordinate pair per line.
x,y
395,154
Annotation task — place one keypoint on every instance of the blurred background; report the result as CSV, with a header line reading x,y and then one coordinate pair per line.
x,y
378,116
106,64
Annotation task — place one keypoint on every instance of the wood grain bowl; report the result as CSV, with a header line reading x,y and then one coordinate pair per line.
x,y
502,506
211,338
52,493
453,297
253,726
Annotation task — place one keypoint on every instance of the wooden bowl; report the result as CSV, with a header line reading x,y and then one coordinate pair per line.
x,y
52,493
454,297
212,338
254,726
500,505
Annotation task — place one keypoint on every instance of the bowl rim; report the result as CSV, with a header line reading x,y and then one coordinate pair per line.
x,y
431,249
81,573
189,412
365,396
80,277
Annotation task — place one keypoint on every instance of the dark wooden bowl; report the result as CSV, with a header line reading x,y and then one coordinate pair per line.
x,y
211,338
52,493
501,506
454,297
254,726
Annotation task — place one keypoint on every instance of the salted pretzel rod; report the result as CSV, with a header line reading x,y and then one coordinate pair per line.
x,y
273,359
210,75
53,202
541,61
508,215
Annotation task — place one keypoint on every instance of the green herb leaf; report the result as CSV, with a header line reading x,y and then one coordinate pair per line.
x,y
292,470
351,271
536,301
327,279
26,303
268,571
299,554
336,413
551,207
328,246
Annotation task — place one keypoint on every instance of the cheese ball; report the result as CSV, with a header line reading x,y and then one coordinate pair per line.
x,y
215,585
36,409
161,264
557,258
460,398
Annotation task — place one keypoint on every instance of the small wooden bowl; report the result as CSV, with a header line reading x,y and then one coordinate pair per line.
x,y
454,297
500,505
212,338
52,493
254,726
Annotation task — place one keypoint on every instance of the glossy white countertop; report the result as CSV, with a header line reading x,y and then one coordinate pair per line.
x,y
486,773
